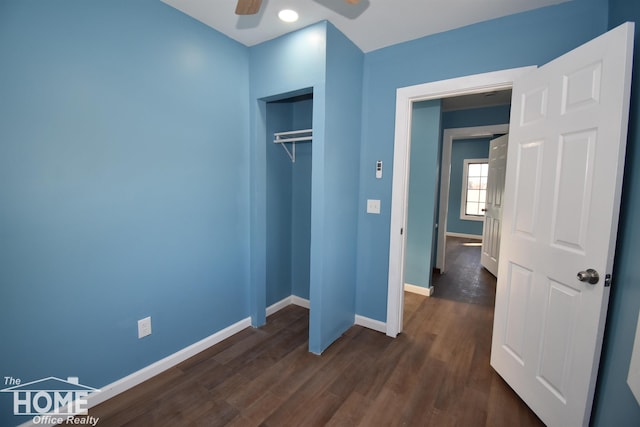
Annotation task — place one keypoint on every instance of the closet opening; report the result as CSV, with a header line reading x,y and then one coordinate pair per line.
x,y
288,200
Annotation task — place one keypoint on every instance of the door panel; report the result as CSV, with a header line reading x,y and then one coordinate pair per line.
x,y
573,191
581,88
534,105
559,326
562,200
528,178
518,288
491,230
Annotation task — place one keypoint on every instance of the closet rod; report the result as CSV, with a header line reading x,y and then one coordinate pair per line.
x,y
298,139
291,136
293,132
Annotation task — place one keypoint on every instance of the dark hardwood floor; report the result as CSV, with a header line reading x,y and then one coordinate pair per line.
x,y
465,280
436,373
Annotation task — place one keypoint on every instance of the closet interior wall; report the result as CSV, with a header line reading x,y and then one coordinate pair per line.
x,y
288,202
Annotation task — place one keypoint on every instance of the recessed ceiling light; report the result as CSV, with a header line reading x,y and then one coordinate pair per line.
x,y
288,15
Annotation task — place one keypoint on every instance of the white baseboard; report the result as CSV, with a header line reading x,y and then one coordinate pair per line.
x,y
120,386
464,235
132,380
162,365
300,301
376,325
291,299
278,306
418,289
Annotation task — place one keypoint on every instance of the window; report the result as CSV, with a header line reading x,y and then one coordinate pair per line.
x,y
474,189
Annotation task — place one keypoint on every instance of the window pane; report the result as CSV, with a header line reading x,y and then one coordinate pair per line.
x,y
475,169
483,183
474,183
474,189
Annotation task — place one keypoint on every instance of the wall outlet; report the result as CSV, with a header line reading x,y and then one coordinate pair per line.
x,y
144,327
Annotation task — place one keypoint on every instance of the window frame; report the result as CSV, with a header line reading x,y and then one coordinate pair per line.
x,y
465,184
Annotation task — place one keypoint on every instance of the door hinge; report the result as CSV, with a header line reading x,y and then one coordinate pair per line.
x,y
401,229
607,280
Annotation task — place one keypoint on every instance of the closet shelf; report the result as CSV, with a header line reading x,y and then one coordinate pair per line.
x,y
292,137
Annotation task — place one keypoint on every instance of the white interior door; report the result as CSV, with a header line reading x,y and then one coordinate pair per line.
x,y
493,204
562,196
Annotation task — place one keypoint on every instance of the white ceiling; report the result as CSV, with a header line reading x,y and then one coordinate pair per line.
x,y
371,25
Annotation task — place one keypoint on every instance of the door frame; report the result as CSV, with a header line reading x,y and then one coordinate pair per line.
x,y
448,136
405,97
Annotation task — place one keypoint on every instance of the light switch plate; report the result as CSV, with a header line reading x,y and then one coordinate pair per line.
x,y
373,206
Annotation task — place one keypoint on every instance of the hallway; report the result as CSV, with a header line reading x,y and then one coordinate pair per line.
x,y
465,280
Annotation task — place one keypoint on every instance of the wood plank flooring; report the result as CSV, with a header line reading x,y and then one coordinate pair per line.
x,y
465,280
436,373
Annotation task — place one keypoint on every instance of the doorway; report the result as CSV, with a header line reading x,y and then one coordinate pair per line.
x,y
475,84
449,136
465,127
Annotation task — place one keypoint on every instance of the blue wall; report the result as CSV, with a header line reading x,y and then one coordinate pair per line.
x,y
497,115
301,204
279,205
336,163
525,39
285,67
281,68
424,173
462,149
615,404
288,203
123,186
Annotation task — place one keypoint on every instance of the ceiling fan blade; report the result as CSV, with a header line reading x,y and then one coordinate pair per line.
x,y
248,7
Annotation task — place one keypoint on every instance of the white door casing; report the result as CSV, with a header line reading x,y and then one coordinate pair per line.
x,y
562,199
405,97
493,204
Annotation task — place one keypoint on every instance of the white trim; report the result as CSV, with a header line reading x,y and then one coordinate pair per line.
x,y
291,299
405,97
278,305
449,135
376,325
465,235
300,301
156,368
420,290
